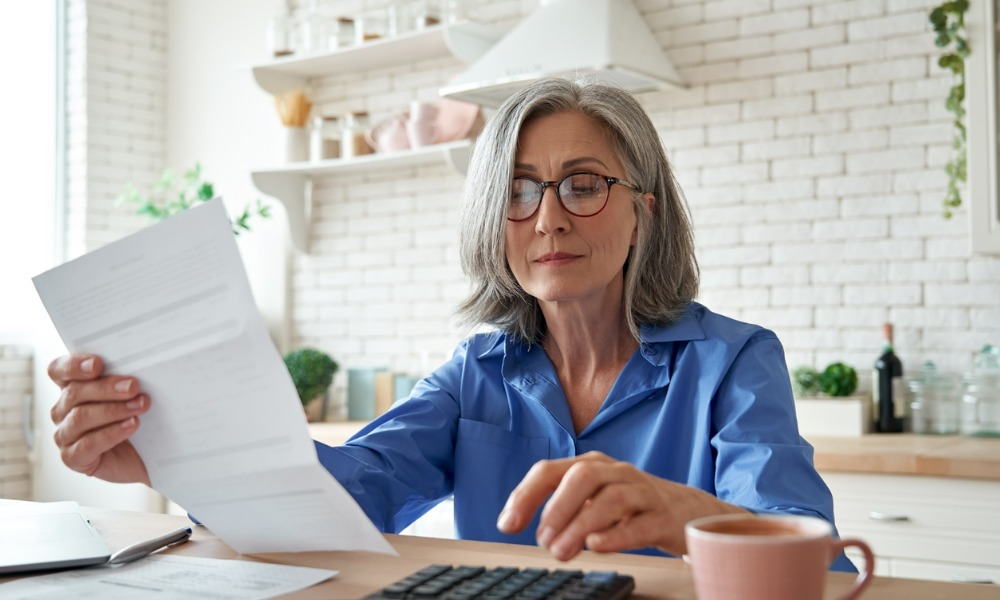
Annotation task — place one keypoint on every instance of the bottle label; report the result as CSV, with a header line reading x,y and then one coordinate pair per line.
x,y
898,395
875,395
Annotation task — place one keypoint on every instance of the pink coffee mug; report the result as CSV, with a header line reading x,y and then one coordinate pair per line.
x,y
767,557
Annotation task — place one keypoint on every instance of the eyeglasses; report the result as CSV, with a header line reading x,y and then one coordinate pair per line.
x,y
581,194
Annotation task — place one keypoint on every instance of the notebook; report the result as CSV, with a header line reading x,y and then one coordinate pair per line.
x,y
47,535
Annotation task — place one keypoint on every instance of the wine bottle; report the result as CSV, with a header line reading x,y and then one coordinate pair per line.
x,y
888,401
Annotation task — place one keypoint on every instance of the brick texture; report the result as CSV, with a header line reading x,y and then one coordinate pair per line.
x,y
808,142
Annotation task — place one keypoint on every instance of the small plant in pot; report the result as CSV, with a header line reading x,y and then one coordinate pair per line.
x,y
312,372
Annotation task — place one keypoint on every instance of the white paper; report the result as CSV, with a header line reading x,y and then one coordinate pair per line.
x,y
169,577
225,436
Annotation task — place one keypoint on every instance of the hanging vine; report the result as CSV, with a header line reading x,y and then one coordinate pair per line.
x,y
948,21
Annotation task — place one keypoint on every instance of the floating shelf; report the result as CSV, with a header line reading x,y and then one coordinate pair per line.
x,y
466,40
291,184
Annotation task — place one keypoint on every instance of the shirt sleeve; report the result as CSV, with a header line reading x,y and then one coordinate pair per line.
x,y
401,464
762,463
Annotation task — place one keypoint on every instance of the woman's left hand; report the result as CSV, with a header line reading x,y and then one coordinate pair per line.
x,y
605,505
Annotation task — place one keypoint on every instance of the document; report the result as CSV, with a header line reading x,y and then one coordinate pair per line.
x,y
225,436
169,577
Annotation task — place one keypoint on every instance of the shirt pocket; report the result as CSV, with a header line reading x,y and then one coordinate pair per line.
x,y
489,462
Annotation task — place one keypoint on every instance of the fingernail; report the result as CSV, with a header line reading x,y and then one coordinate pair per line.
x,y
87,366
504,520
545,535
134,404
124,385
565,549
129,422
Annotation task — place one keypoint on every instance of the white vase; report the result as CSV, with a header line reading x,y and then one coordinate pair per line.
x,y
296,144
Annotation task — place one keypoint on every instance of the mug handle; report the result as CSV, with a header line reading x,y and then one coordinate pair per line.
x,y
865,576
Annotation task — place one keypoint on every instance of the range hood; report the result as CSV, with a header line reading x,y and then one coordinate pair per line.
x,y
602,40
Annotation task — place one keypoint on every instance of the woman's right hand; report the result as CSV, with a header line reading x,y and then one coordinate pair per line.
x,y
95,416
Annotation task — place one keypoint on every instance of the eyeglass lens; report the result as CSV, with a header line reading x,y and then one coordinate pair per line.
x,y
581,194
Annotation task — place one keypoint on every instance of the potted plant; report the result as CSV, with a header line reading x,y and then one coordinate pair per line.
x,y
312,372
825,403
169,197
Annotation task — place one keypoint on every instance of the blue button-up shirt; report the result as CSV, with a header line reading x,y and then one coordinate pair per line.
x,y
705,402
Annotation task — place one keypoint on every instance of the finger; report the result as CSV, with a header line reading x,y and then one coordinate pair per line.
x,y
639,531
76,393
540,482
97,415
75,367
525,499
612,505
85,455
592,496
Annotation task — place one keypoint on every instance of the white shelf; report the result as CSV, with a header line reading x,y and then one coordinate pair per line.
x,y
291,183
466,41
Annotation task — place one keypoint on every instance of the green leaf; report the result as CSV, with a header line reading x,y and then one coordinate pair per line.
x,y
838,379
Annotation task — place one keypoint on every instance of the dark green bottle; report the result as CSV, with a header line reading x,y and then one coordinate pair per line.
x,y
888,400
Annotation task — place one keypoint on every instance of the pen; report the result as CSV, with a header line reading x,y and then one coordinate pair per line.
x,y
141,549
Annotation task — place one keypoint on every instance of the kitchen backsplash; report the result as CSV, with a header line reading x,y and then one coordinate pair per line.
x,y
810,143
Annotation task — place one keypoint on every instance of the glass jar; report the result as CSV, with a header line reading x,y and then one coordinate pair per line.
x,y
981,402
342,33
426,13
353,142
324,138
314,36
281,36
370,26
935,402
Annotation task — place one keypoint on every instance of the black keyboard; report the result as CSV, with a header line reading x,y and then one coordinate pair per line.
x,y
466,583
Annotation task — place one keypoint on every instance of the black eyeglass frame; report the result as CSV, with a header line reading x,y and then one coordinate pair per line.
x,y
556,184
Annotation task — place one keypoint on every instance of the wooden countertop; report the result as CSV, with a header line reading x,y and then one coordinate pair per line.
x,y
891,454
910,454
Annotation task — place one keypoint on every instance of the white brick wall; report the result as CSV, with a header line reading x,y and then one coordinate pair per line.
x,y
15,387
116,101
809,143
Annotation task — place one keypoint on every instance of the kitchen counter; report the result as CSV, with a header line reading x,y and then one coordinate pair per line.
x,y
910,454
895,454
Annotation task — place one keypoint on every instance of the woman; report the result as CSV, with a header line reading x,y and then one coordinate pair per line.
x,y
604,385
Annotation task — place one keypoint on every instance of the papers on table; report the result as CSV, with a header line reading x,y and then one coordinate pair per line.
x,y
169,577
225,436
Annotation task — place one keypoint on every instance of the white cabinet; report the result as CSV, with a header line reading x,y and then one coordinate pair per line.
x,y
922,527
291,183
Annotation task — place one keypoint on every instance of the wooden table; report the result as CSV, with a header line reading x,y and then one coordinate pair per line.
x,y
362,573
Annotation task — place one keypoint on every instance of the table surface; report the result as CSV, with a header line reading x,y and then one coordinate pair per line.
x,y
891,454
362,573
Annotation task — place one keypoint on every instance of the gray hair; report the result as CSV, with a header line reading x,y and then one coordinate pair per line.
x,y
661,272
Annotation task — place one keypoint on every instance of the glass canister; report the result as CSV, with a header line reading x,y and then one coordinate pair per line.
x,y
981,402
342,33
935,401
324,138
281,35
353,142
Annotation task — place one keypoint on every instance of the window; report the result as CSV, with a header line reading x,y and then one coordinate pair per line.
x,y
981,99
28,159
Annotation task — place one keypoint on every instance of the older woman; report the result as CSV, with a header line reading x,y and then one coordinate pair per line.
x,y
604,389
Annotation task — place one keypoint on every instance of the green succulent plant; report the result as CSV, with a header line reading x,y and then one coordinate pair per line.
x,y
838,379
805,381
312,372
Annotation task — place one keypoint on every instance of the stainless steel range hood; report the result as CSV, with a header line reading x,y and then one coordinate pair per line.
x,y
602,40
